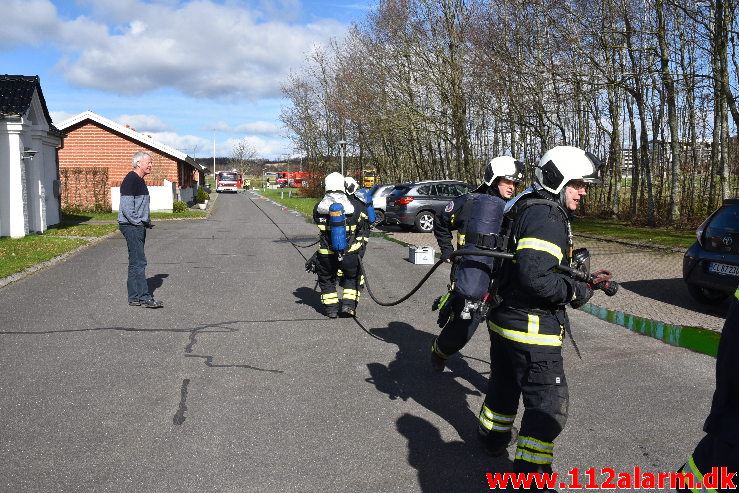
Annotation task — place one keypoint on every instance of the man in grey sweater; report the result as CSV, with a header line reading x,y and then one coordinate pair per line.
x,y
133,221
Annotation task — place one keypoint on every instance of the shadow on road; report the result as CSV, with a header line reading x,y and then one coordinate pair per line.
x,y
156,282
442,466
674,292
446,466
309,297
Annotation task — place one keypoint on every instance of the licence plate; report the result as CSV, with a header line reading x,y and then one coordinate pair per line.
x,y
729,270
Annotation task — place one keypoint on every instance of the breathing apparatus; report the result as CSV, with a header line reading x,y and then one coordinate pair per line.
x,y
337,225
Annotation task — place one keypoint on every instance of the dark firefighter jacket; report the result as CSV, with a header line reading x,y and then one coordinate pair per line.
x,y
535,292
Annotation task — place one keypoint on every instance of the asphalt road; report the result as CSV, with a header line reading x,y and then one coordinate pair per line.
x,y
240,384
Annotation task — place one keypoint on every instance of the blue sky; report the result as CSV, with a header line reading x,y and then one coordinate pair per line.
x,y
177,70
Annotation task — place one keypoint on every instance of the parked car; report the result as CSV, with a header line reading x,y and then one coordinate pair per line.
x,y
416,204
711,264
379,195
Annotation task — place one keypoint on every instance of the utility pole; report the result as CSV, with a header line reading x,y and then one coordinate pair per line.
x,y
342,147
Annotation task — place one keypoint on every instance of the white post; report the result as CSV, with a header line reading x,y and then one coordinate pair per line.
x,y
342,146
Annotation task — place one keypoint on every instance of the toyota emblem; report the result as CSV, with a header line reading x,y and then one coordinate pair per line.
x,y
727,240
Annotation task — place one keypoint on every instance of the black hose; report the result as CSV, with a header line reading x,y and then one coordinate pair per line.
x,y
458,253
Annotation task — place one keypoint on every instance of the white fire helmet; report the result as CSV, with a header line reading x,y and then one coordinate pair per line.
x,y
334,182
562,164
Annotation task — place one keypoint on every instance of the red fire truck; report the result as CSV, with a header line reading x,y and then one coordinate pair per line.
x,y
228,181
297,179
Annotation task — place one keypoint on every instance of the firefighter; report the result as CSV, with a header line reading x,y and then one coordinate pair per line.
x,y
499,182
330,258
350,187
526,330
720,447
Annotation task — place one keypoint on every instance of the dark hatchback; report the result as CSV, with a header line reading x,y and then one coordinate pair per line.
x,y
416,204
711,264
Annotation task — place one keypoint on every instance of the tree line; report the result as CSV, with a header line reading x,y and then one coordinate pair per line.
x,y
433,89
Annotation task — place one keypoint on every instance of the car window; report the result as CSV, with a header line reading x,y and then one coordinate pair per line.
x,y
461,189
387,191
399,191
726,218
425,190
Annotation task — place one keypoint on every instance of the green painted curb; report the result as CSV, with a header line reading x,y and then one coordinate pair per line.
x,y
696,339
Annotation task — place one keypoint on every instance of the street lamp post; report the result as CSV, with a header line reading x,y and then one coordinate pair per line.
x,y
342,146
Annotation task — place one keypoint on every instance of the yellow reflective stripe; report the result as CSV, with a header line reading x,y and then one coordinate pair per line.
x,y
692,468
532,457
351,294
518,336
542,246
452,218
435,349
444,299
736,293
460,239
351,227
533,323
534,444
491,420
322,227
362,214
356,246
329,298
325,251
339,273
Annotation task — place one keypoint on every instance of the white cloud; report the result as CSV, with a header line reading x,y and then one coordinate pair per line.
x,y
267,129
144,123
22,21
60,116
201,48
198,147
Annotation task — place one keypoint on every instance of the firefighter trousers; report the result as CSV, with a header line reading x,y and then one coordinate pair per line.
x,y
535,372
457,332
713,452
327,269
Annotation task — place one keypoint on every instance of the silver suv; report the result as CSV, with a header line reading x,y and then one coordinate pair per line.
x,y
416,204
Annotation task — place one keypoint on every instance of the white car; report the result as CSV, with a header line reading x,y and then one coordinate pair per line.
x,y
379,195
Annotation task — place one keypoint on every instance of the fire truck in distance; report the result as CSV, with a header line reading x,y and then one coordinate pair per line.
x,y
297,179
228,181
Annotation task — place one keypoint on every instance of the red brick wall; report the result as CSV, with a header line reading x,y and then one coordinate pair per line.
x,y
89,146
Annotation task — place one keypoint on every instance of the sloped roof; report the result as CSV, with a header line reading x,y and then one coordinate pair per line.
x,y
131,133
16,96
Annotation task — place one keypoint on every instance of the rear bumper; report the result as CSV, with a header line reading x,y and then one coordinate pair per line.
x,y
398,218
695,270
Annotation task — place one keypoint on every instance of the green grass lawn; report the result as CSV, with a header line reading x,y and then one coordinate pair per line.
x,y
296,202
86,230
17,254
619,230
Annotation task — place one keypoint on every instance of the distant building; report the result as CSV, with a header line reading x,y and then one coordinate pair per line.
x,y
97,156
661,152
29,179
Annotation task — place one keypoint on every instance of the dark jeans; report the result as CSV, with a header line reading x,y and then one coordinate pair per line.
x,y
135,238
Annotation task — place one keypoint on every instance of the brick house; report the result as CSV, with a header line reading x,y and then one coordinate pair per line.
x,y
97,156
29,185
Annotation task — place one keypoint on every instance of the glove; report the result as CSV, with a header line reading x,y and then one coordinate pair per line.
x,y
444,305
582,293
310,264
148,225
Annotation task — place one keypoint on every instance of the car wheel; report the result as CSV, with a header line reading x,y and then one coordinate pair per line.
x,y
425,222
705,295
379,217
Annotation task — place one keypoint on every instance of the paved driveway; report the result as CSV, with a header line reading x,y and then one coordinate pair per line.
x,y
239,384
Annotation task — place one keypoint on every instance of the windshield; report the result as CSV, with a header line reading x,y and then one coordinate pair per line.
x,y
228,176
